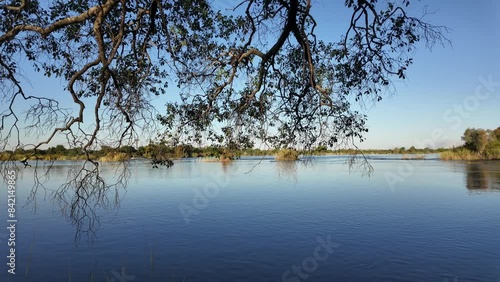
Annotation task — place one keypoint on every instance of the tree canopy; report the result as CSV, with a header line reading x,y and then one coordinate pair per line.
x,y
483,142
251,72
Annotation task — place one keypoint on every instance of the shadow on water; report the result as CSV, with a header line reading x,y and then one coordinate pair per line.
x,y
482,176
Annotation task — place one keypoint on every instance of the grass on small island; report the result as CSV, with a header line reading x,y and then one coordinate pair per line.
x,y
221,159
287,155
114,157
224,157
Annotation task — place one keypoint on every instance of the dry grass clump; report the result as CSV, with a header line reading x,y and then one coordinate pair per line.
x,y
459,155
287,155
114,157
224,157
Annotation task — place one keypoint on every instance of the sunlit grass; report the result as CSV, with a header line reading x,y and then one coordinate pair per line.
x,y
459,155
287,155
224,157
114,157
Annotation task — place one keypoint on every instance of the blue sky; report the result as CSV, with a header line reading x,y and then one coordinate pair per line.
x,y
448,89
440,98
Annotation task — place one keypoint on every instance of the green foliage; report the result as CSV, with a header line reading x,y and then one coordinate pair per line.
x,y
496,134
492,150
183,151
127,150
58,150
479,144
320,150
476,139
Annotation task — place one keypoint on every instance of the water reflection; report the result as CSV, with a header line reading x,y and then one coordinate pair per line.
x,y
482,176
226,167
87,192
287,170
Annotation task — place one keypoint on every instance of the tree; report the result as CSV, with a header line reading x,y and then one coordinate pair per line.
x,y
287,88
57,150
127,149
106,149
496,134
476,139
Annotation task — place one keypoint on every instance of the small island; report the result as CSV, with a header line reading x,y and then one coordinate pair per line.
x,y
287,155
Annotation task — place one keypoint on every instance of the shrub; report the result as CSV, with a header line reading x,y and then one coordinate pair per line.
x,y
114,157
287,155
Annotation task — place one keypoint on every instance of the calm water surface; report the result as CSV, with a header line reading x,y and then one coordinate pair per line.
x,y
260,220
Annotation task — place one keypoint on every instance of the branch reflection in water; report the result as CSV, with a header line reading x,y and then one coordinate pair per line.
x,y
84,195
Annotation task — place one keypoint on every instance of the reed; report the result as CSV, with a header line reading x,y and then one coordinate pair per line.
x,y
459,155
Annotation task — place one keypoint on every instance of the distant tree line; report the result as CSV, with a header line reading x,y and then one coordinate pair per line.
x,y
164,151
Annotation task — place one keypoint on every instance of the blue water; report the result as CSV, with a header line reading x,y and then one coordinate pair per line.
x,y
260,220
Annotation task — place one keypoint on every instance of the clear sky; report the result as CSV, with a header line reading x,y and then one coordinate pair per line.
x,y
448,89
444,93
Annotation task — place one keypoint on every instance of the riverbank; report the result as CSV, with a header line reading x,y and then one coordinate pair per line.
x,y
458,154
467,155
